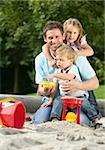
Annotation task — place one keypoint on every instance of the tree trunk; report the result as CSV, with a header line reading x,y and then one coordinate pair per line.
x,y
16,75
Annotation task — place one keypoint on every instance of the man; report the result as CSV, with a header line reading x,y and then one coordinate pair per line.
x,y
53,36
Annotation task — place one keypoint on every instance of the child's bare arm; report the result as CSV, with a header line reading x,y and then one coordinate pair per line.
x,y
62,76
52,95
46,52
45,91
85,50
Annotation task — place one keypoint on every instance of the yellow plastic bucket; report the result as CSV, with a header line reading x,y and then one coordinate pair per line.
x,y
48,84
71,116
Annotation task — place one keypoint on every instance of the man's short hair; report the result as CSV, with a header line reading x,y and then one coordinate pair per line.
x,y
50,25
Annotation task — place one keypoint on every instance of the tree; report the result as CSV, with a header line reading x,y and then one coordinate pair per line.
x,y
21,25
16,31
90,13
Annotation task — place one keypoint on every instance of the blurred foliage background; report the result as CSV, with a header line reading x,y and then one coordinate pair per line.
x,y
21,24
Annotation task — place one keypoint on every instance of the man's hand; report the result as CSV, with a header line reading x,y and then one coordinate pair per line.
x,y
70,86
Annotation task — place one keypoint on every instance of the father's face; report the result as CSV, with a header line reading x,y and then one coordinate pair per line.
x,y
54,38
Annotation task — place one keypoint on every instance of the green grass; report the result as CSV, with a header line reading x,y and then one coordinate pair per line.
x,y
100,92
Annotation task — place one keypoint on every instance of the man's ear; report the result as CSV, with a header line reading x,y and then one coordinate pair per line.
x,y
44,39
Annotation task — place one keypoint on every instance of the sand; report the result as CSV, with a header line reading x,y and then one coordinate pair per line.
x,y
59,135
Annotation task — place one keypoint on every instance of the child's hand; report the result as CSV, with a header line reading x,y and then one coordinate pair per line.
x,y
51,76
45,47
45,90
53,62
46,104
83,40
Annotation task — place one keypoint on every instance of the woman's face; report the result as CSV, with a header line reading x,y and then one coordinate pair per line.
x,y
63,62
72,33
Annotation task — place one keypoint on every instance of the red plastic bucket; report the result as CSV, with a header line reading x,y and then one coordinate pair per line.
x,y
13,114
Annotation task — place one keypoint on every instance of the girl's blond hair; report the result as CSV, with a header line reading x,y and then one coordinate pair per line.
x,y
67,51
75,22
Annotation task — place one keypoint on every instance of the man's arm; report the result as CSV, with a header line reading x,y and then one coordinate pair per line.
x,y
90,84
74,85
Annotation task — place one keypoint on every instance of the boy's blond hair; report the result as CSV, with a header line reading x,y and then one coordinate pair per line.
x,y
75,22
67,51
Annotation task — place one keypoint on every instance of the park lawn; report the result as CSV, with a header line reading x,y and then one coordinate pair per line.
x,y
100,92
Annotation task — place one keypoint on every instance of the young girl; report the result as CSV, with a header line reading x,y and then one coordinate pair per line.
x,y
73,36
65,57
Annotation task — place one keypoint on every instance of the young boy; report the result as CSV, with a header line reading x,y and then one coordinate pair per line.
x,y
65,59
